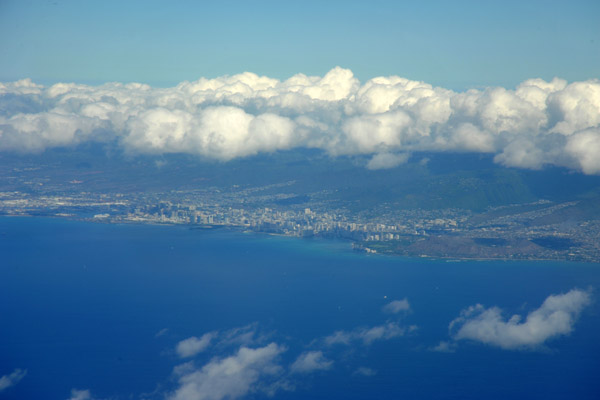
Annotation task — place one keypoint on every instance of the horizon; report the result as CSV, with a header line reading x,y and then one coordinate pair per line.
x,y
459,45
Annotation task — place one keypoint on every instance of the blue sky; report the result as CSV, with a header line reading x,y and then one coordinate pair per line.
x,y
457,44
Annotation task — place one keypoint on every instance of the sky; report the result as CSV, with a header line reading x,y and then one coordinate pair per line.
x,y
457,45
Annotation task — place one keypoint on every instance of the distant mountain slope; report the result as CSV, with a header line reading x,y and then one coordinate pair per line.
x,y
426,181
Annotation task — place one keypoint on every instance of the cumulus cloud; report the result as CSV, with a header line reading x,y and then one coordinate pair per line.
x,y
12,379
555,317
311,361
536,124
585,148
395,306
231,377
193,345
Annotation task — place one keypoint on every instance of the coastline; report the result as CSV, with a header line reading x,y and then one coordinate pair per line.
x,y
355,246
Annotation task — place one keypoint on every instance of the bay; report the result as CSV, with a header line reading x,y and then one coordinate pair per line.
x,y
102,307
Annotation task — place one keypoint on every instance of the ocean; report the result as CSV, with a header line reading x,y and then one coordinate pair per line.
x,y
100,311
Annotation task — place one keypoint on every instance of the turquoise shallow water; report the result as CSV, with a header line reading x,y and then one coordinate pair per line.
x,y
102,308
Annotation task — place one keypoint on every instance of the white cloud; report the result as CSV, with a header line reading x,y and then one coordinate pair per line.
x,y
12,379
537,124
311,361
36,132
193,345
22,87
217,132
395,306
381,332
444,347
522,153
555,317
584,147
364,371
339,337
162,332
80,395
387,160
575,108
368,335
184,369
469,137
231,377
247,335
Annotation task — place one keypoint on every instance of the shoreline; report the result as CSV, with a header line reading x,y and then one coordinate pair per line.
x,y
355,246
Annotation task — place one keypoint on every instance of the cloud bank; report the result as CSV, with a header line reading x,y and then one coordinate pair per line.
x,y
555,317
538,123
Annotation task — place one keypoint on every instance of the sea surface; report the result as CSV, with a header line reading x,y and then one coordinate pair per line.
x,y
101,308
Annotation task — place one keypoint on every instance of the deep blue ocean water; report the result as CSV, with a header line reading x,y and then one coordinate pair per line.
x,y
102,307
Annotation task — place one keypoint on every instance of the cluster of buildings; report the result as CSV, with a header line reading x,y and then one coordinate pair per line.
x,y
245,209
298,221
